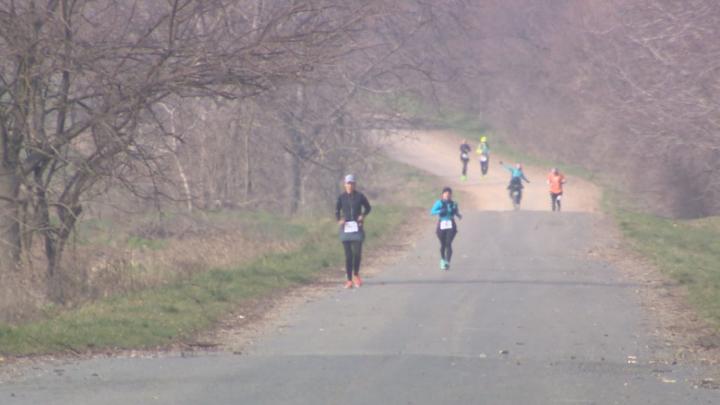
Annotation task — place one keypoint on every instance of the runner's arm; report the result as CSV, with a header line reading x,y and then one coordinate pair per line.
x,y
338,208
366,206
437,208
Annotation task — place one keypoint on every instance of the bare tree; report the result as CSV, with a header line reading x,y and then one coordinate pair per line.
x,y
79,80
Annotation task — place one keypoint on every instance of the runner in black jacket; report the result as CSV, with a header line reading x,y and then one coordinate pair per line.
x,y
351,209
464,158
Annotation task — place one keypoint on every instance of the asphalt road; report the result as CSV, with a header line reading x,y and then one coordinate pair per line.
x,y
524,316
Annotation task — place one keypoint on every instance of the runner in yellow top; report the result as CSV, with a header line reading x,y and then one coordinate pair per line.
x,y
483,150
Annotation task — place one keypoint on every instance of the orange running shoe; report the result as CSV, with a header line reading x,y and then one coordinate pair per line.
x,y
348,284
357,281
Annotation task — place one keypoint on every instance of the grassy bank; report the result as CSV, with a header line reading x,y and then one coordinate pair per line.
x,y
175,312
686,250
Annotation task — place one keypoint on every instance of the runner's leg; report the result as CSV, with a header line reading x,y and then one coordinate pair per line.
x,y
449,236
441,236
348,259
357,256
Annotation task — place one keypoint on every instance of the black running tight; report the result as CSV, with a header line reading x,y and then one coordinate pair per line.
x,y
556,199
353,253
484,166
446,237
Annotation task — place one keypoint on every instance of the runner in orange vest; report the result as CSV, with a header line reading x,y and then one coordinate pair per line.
x,y
556,181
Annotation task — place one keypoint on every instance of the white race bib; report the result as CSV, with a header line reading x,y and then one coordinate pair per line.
x,y
446,224
350,227
464,156
483,158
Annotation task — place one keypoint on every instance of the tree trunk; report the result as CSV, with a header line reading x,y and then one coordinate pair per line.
x,y
68,210
10,241
178,163
183,177
56,240
248,163
296,146
295,176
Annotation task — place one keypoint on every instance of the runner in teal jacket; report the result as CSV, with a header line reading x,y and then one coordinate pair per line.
x,y
446,209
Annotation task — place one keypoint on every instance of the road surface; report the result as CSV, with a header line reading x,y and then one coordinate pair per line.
x,y
523,317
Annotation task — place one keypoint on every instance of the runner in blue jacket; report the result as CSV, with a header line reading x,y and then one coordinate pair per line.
x,y
446,209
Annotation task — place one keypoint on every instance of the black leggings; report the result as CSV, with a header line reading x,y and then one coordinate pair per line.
x,y
446,237
353,252
510,193
465,163
556,199
484,166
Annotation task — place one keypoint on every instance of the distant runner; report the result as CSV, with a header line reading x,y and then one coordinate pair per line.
x,y
483,150
516,178
446,209
464,158
556,180
351,209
